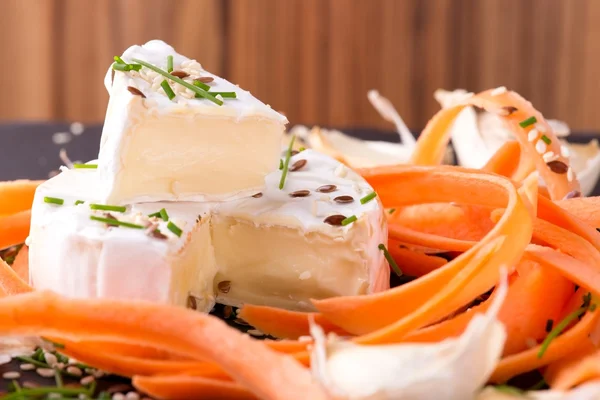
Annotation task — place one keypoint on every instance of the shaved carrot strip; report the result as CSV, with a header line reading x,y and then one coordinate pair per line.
x,y
405,185
21,264
182,387
10,282
503,161
16,196
282,323
414,263
515,109
581,366
561,346
586,209
412,237
14,228
194,334
525,167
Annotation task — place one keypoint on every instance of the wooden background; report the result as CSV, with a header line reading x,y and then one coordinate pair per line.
x,y
312,59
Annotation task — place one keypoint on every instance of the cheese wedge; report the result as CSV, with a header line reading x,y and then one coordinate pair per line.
x,y
189,149
273,248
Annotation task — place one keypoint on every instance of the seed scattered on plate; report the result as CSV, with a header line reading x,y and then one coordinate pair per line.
x,y
132,396
227,311
73,370
118,396
327,188
224,286
180,74
298,165
11,375
61,137
27,367
558,167
135,91
300,193
240,321
508,110
255,332
87,380
258,195
45,372
77,128
205,79
119,388
30,385
344,199
335,220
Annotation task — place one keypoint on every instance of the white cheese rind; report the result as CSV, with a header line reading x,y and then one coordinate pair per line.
x,y
73,255
185,149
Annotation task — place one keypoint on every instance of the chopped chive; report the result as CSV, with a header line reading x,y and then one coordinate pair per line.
x,y
391,211
119,60
546,139
349,220
105,207
31,360
228,95
286,164
78,202
562,325
54,200
541,384
529,121
135,67
16,385
121,67
163,214
167,88
280,164
35,392
116,222
85,166
174,228
201,85
58,377
104,396
302,149
508,389
390,260
368,198
193,88
156,214
169,64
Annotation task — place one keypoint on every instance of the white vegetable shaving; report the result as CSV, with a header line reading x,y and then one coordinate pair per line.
x,y
388,112
454,369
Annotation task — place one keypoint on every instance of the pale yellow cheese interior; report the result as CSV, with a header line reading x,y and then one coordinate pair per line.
x,y
195,158
285,267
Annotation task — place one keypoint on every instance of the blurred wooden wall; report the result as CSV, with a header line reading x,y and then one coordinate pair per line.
x,y
312,59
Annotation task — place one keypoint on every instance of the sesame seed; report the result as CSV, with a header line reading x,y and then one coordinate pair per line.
x,y
118,396
87,380
499,90
132,396
564,151
61,137
255,332
540,147
45,372
549,156
27,367
532,135
540,128
77,128
341,171
74,371
11,375
305,339
98,374
50,358
570,174
305,275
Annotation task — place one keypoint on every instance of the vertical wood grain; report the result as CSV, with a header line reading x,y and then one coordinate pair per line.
x,y
314,60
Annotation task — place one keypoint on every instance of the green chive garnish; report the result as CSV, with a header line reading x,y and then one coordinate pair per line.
x,y
54,200
35,392
193,88
201,85
156,214
368,198
163,214
349,220
226,95
121,67
169,64
392,210
119,60
546,139
85,166
286,164
78,202
527,122
167,88
280,164
174,228
508,389
105,207
562,325
135,67
390,260
302,149
31,360
116,222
